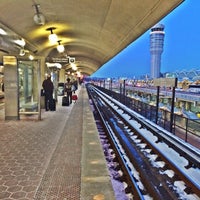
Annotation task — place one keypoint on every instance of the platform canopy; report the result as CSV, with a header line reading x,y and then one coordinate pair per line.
x,y
92,31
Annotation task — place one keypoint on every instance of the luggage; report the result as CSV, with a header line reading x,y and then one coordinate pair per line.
x,y
65,101
42,92
52,106
74,97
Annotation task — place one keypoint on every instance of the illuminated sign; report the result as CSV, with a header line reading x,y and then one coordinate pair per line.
x,y
167,82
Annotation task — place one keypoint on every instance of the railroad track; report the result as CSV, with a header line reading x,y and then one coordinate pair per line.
x,y
155,164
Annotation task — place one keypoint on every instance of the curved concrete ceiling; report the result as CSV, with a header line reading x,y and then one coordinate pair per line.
x,y
92,31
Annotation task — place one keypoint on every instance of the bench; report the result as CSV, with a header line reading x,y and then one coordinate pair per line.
x,y
30,106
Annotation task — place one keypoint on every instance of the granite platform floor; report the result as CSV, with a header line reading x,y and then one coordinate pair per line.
x,y
56,158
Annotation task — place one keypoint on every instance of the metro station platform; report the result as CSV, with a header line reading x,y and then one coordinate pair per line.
x,y
57,158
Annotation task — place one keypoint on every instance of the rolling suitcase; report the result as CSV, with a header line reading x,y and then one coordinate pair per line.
x,y
65,101
74,98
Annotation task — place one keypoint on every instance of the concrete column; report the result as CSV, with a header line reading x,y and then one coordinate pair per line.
x,y
11,88
62,78
42,77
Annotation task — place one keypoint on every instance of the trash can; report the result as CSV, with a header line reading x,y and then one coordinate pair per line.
x,y
60,90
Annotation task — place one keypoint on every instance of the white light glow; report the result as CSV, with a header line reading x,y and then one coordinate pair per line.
x,y
2,32
20,42
53,38
78,73
31,57
60,48
74,67
57,65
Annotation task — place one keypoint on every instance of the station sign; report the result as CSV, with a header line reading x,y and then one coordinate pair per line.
x,y
167,82
62,60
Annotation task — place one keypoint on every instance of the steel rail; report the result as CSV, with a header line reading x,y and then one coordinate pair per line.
x,y
129,177
161,137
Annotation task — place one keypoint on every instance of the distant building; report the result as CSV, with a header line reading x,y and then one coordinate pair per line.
x,y
156,48
190,75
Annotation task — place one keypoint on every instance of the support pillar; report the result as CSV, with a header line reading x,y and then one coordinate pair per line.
x,y
11,88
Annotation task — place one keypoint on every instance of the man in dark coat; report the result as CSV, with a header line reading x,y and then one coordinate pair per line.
x,y
48,92
68,90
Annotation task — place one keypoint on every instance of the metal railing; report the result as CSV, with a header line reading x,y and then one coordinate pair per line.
x,y
182,126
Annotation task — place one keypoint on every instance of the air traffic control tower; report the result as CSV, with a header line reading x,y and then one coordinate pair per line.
x,y
156,48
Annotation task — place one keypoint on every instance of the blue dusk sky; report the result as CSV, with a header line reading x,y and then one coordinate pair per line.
x,y
181,46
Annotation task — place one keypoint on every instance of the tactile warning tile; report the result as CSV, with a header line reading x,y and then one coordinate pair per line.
x,y
61,180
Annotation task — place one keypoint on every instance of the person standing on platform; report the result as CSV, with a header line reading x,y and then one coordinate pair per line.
x,y
48,92
68,90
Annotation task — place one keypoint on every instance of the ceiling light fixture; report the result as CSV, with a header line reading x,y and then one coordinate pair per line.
x,y
60,47
57,65
20,42
22,52
53,38
2,32
31,57
38,18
